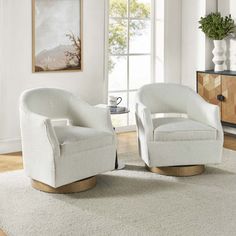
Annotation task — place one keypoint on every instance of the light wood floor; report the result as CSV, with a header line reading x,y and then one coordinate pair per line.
x,y
230,141
9,162
2,233
127,142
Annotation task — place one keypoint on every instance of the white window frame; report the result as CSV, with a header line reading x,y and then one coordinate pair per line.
x,y
127,54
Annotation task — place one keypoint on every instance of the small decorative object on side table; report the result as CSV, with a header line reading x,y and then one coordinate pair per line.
x,y
115,110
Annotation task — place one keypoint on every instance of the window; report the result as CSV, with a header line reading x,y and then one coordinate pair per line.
x,y
130,52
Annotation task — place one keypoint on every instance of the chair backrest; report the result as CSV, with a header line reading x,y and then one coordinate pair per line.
x,y
49,102
165,98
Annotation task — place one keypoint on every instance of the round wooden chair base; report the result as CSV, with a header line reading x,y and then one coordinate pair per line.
x,y
178,171
75,187
2,233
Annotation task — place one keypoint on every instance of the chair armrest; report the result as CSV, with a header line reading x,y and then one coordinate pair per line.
x,y
38,133
200,110
144,121
96,117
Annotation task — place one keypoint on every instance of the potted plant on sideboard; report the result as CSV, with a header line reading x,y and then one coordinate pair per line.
x,y
217,28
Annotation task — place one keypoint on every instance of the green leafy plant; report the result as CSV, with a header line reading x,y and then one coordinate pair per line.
x,y
217,27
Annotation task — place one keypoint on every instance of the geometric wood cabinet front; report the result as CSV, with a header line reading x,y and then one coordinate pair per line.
x,y
209,86
219,88
228,108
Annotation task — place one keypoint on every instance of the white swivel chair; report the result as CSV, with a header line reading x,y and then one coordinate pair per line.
x,y
64,159
178,146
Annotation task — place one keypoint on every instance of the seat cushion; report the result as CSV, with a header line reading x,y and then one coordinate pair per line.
x,y
181,129
75,139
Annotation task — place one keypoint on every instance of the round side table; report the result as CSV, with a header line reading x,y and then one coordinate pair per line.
x,y
118,111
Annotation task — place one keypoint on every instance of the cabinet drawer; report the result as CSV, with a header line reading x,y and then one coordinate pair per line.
x,y
209,86
229,104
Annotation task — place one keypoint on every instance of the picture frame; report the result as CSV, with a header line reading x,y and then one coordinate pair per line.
x,y
57,35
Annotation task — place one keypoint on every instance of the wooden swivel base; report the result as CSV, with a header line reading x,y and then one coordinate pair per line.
x,y
178,171
2,233
75,187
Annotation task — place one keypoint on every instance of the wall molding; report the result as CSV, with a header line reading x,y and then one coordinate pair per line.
x,y
122,129
229,130
10,145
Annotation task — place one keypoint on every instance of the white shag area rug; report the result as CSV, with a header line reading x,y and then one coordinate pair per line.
x,y
131,201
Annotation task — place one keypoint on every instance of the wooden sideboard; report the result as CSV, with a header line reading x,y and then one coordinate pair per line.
x,y
219,88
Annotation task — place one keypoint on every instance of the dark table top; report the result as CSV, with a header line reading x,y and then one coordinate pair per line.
x,y
226,72
115,111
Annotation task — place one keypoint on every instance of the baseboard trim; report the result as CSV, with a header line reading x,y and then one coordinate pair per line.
x,y
124,129
229,130
10,145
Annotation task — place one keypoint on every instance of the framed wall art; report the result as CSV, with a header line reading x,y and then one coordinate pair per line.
x,y
57,35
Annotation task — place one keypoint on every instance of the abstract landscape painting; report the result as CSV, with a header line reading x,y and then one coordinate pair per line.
x,y
57,40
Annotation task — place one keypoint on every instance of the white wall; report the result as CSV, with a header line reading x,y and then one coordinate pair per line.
x,y
172,44
227,7
15,63
159,36
168,40
181,48
196,48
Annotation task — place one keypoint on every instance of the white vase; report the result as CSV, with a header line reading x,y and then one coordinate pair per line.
x,y
219,55
232,52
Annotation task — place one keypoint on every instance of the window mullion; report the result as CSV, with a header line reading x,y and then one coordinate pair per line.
x,y
153,45
128,59
126,18
123,91
131,54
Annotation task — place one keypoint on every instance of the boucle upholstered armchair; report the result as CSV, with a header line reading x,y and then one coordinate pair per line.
x,y
178,146
65,158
